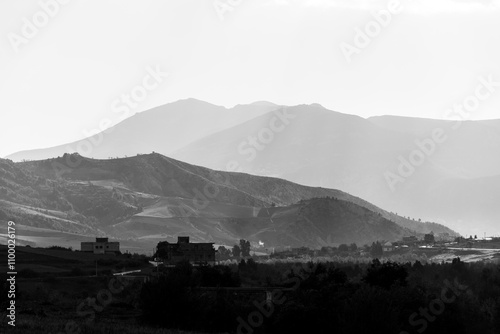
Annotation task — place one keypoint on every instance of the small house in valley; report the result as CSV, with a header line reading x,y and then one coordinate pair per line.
x,y
388,247
183,250
100,246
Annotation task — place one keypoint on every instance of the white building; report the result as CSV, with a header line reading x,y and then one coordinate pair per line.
x,y
388,247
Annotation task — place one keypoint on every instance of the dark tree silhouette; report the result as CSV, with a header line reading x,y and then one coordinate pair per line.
x,y
236,251
223,253
343,248
245,248
376,249
385,275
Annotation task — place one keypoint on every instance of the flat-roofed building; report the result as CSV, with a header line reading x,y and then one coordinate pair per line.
x,y
100,246
183,250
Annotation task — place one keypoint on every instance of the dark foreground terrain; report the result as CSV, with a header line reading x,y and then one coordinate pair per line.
x,y
251,297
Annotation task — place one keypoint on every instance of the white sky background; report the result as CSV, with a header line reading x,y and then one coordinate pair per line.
x,y
64,79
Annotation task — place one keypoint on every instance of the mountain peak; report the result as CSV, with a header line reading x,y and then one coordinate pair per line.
x,y
263,103
195,102
317,105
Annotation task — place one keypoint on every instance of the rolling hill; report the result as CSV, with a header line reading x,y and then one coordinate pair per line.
x,y
314,146
320,147
147,198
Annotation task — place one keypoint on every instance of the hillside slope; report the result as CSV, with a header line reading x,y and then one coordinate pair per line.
x,y
314,146
320,147
152,197
162,176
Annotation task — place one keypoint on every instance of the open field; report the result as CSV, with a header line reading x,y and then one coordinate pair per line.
x,y
469,255
72,263
44,237
40,325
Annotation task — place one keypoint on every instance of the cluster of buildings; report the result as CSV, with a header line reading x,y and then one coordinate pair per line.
x,y
204,253
410,241
166,252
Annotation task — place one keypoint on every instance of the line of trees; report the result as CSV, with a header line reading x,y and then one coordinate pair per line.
x,y
238,251
331,298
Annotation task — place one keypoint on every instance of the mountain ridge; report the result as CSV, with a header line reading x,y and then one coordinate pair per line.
x,y
136,199
319,147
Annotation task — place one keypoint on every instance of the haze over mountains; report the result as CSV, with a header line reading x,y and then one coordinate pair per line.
x,y
162,129
456,180
147,198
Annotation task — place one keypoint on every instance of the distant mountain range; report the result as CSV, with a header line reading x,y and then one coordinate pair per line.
x,y
147,198
162,129
455,181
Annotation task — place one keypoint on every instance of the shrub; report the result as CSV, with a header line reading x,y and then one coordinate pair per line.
x,y
386,275
70,249
76,271
28,273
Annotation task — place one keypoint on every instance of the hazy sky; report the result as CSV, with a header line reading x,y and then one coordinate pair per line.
x,y
64,77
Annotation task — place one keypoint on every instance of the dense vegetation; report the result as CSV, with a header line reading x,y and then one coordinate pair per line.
x,y
330,298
